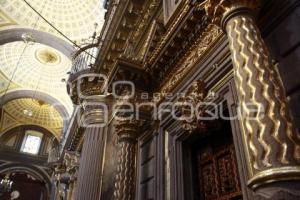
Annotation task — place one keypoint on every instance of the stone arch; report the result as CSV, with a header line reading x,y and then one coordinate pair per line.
x,y
17,94
41,129
36,172
15,34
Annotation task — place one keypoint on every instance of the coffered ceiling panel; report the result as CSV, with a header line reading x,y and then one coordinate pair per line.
x,y
28,111
36,67
30,65
74,18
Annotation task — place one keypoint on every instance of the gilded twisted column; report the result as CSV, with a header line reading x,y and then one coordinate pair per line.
x,y
127,131
272,144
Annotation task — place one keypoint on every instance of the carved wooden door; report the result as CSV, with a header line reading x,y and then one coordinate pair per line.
x,y
217,171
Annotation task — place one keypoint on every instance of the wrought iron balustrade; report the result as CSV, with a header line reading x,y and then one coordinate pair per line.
x,y
84,58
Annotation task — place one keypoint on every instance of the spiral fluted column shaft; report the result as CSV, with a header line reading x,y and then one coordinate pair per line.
x,y
73,192
271,142
127,130
70,190
125,178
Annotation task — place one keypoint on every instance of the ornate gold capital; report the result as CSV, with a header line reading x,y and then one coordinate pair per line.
x,y
127,128
82,86
126,122
221,10
71,161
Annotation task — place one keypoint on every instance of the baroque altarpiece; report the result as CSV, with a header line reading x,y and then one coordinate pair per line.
x,y
234,60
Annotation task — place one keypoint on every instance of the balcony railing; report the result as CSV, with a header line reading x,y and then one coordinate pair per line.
x,y
86,53
84,58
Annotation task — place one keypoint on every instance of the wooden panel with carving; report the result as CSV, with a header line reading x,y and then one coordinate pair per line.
x,y
217,171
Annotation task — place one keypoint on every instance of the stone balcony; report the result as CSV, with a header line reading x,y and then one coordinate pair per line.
x,y
83,81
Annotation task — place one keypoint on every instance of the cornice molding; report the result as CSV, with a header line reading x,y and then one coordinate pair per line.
x,y
192,56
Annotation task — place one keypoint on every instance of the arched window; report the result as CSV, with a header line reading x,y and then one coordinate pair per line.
x,y
29,139
32,142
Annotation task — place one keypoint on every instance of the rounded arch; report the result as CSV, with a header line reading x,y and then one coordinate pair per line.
x,y
36,172
15,34
17,94
43,130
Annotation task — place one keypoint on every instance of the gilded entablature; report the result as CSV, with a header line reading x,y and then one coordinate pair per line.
x,y
207,39
145,19
186,8
164,53
141,37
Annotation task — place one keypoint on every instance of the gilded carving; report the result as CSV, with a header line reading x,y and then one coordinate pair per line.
x,y
71,161
270,138
127,131
194,96
144,48
144,21
219,9
194,54
168,34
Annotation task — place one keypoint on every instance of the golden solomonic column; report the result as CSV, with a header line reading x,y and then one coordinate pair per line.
x,y
127,128
126,169
270,139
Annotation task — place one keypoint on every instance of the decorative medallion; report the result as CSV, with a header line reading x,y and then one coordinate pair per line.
x,y
47,56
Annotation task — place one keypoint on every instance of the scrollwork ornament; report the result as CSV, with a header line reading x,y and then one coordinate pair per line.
x,y
218,10
194,96
193,55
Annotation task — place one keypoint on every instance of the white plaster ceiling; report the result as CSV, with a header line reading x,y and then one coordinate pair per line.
x,y
74,18
38,67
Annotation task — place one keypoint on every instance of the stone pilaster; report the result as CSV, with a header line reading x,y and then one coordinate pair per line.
x,y
86,89
271,142
90,169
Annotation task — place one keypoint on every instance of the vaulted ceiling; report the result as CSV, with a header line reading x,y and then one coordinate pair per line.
x,y
74,18
38,66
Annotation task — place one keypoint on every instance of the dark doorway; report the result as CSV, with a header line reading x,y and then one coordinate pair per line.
x,y
28,187
214,171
